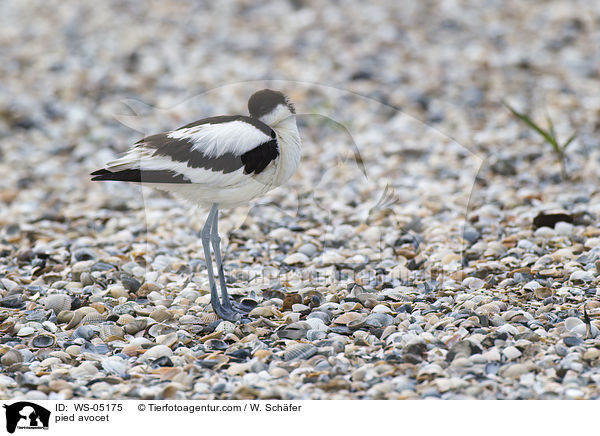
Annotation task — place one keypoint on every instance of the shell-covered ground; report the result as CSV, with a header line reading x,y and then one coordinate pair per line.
x,y
427,247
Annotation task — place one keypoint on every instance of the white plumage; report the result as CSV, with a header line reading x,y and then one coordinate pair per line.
x,y
214,140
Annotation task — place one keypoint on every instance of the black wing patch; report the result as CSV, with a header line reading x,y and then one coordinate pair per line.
x,y
136,175
257,159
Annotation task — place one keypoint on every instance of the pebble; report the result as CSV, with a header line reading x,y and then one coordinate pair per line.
x,y
511,353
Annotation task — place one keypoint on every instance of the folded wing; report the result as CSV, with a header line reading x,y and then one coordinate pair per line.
x,y
213,151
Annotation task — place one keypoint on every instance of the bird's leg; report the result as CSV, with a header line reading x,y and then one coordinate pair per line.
x,y
224,313
216,245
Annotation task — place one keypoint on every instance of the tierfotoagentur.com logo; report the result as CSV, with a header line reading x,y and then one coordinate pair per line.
x,y
24,415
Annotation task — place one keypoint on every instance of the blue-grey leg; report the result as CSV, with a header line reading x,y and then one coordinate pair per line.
x,y
216,245
223,312
226,302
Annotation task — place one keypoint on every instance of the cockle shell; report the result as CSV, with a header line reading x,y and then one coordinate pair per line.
x,y
78,316
135,326
93,318
57,302
348,317
43,340
299,351
111,332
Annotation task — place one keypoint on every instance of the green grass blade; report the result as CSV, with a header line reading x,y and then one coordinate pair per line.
x,y
547,136
551,127
573,136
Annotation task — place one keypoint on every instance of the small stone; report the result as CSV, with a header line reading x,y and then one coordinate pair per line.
x,y
296,258
591,354
473,283
511,353
157,351
581,276
563,228
514,370
309,250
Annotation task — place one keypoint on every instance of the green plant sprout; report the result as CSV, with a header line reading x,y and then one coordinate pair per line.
x,y
549,136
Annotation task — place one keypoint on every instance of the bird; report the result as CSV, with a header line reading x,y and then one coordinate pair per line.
x,y
218,162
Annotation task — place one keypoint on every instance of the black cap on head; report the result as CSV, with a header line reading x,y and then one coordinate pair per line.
x,y
264,101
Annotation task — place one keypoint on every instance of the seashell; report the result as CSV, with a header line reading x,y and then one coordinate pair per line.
x,y
202,318
215,344
135,326
213,361
115,365
157,352
290,300
316,324
43,341
65,316
78,315
28,356
249,302
25,331
356,324
378,320
125,308
381,308
571,323
350,306
348,317
299,351
125,319
36,315
73,350
225,327
315,335
132,350
84,254
49,326
266,311
145,289
323,316
85,332
84,371
491,308
11,357
130,283
313,299
184,337
111,332
543,292
88,347
93,318
213,335
57,302
160,315
160,329
295,330
429,372
7,327
169,339
100,307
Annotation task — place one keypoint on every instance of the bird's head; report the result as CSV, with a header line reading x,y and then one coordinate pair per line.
x,y
270,107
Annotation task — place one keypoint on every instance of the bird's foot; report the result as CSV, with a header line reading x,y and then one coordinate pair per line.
x,y
232,311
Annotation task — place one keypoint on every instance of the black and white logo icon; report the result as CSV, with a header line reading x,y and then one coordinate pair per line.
x,y
26,415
